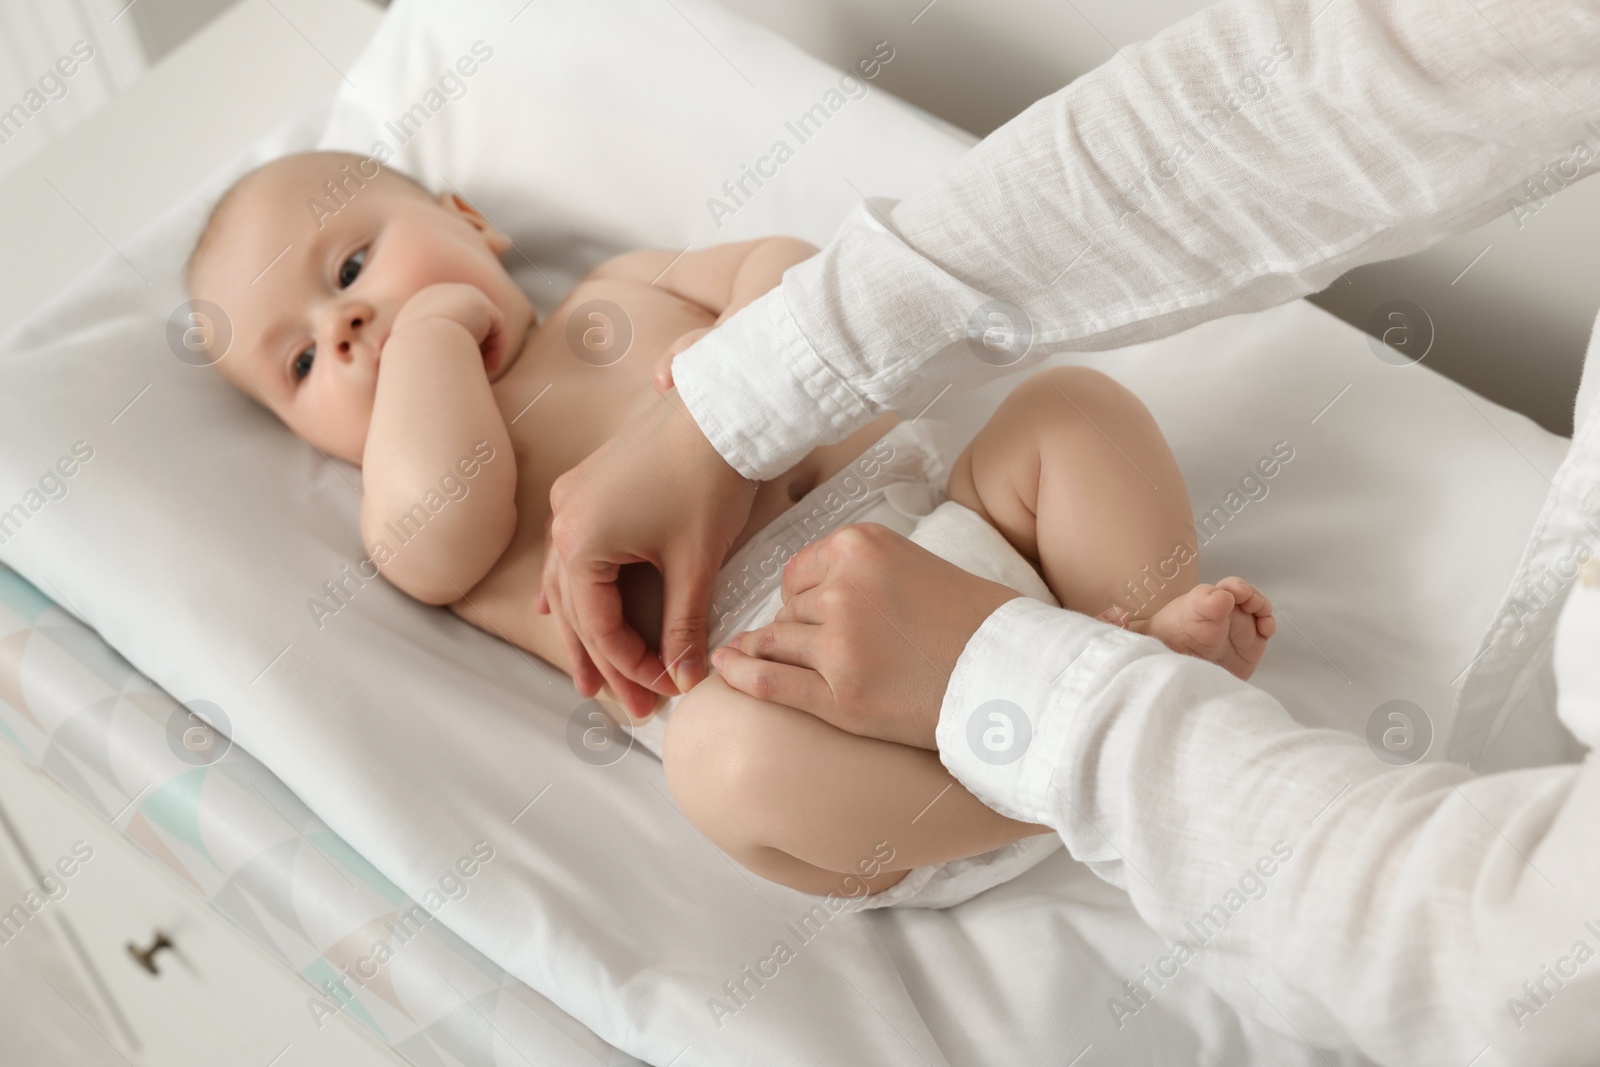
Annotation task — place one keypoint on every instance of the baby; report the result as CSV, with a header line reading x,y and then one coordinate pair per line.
x,y
390,335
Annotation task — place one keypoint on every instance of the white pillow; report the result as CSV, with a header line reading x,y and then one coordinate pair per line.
x,y
599,133
230,522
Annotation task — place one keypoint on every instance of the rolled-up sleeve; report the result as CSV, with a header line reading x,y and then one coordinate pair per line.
x,y
1422,914
1243,157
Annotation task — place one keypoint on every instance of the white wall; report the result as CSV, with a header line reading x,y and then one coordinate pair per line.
x,y
1513,328
34,35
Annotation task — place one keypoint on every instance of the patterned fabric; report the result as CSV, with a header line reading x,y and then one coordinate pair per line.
x,y
174,785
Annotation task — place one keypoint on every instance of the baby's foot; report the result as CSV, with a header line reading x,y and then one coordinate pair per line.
x,y
1228,623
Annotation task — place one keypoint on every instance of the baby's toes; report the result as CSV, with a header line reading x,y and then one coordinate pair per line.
x,y
1205,623
1210,603
1247,643
1247,596
1242,631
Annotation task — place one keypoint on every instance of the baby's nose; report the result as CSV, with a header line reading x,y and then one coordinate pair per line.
x,y
355,324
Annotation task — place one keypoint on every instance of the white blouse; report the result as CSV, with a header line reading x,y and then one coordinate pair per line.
x,y
1245,156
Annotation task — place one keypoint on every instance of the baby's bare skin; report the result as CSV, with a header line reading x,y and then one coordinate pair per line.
x,y
432,348
1074,472
389,334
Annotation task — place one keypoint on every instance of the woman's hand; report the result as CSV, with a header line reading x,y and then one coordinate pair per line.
x,y
870,630
657,492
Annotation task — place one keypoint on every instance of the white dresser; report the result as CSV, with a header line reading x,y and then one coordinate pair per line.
x,y
76,995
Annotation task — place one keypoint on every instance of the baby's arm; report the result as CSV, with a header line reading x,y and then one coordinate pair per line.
x,y
721,279
433,407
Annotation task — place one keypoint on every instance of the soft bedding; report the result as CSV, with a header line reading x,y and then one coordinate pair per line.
x,y
226,827
198,539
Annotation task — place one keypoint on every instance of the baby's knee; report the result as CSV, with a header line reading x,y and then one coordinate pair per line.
x,y
714,752
1072,393
1029,423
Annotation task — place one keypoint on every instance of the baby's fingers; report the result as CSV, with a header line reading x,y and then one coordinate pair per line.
x,y
687,339
662,375
663,370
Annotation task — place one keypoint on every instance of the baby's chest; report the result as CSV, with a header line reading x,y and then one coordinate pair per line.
x,y
586,373
588,370
625,326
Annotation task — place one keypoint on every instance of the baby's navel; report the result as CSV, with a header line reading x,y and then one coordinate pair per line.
x,y
801,486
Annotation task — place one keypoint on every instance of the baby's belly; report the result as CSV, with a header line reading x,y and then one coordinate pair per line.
x,y
779,495
503,602
892,484
640,583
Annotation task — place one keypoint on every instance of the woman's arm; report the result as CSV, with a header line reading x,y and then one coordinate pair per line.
x,y
1243,157
1323,892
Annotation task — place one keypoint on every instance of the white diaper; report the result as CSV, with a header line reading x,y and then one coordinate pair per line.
x,y
895,482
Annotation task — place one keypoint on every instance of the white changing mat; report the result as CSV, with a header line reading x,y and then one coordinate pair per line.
x,y
200,530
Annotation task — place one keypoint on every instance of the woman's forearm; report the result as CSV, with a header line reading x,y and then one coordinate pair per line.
x,y
1322,891
1243,157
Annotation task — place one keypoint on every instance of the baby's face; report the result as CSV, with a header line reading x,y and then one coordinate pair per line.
x,y
312,295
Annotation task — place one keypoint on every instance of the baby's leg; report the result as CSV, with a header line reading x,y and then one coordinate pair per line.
x,y
1074,471
803,803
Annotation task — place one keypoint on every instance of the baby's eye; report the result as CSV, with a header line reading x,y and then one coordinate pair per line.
x,y
302,363
351,268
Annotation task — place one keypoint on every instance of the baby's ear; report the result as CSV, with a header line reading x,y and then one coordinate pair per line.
x,y
453,203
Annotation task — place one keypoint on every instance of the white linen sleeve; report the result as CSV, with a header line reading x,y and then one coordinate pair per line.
x,y
1420,913
1243,157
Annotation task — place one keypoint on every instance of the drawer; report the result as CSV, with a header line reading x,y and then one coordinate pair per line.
x,y
216,999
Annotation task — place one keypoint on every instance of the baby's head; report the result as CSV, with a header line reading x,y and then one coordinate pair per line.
x,y
311,257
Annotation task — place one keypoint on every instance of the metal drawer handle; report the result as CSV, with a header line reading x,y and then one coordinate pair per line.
x,y
146,957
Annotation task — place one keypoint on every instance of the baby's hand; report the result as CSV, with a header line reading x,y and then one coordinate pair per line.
x,y
465,305
662,376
